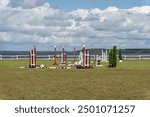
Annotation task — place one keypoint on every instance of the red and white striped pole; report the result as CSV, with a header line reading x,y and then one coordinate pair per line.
x,y
32,55
86,58
29,59
35,55
63,56
32,58
55,56
83,55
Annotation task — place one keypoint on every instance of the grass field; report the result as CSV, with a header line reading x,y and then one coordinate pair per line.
x,y
130,80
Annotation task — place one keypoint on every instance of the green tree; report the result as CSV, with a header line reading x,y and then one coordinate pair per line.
x,y
113,57
120,54
110,58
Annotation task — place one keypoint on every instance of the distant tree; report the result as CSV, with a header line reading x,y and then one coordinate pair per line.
x,y
110,59
120,54
113,57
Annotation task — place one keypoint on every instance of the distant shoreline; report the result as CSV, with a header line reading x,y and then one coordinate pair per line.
x,y
92,51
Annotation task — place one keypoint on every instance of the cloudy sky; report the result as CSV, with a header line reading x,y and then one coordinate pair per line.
x,y
95,23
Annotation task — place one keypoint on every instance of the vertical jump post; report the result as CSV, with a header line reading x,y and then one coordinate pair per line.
x,y
83,55
63,56
32,58
104,55
86,57
35,54
55,56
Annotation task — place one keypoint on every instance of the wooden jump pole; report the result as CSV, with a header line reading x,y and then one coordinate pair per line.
x,y
55,56
32,58
63,56
83,51
35,54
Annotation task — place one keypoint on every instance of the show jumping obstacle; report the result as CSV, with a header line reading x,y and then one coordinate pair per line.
x,y
104,56
63,56
84,59
55,56
32,58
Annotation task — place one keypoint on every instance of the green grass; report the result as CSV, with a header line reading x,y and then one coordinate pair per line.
x,y
130,80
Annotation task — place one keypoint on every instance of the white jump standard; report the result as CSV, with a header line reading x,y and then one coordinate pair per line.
x,y
104,56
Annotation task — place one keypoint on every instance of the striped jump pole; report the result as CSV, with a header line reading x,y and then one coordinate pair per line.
x,y
83,51
63,56
86,58
34,55
55,56
32,58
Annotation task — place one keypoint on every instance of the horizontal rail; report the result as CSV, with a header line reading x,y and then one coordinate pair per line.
x,y
93,57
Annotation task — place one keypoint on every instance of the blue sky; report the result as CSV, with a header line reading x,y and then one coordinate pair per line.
x,y
102,4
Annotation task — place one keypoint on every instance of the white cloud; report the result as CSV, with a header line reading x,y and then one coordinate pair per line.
x,y
112,9
41,24
143,9
4,3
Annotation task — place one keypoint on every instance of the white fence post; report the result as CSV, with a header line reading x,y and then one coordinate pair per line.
x,y
17,56
1,57
125,57
139,57
49,57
